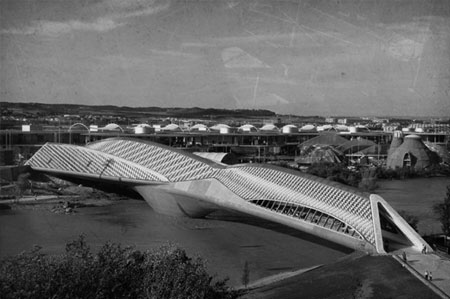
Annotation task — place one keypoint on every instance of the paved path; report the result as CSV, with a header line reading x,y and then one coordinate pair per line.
x,y
275,278
439,266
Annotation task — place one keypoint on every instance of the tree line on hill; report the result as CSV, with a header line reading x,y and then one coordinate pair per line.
x,y
194,112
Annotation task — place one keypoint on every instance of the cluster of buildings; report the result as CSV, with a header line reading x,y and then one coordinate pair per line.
x,y
298,144
174,167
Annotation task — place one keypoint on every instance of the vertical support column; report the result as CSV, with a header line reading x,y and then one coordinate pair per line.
x,y
376,225
401,224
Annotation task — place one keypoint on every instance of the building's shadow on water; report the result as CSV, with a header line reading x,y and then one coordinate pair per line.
x,y
232,216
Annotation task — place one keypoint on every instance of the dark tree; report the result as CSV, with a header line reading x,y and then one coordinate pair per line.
x,y
113,272
246,275
22,184
412,220
368,179
442,210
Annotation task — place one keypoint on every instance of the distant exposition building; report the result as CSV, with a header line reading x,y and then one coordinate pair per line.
x,y
179,183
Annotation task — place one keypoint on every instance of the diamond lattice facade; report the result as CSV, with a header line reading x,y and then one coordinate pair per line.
x,y
179,183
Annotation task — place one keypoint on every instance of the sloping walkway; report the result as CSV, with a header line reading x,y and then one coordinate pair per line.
x,y
275,278
418,263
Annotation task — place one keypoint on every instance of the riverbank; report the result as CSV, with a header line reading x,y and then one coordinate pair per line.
x,y
225,240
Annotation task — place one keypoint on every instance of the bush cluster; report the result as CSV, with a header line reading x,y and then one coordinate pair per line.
x,y
113,272
406,172
411,219
368,178
365,178
442,211
336,172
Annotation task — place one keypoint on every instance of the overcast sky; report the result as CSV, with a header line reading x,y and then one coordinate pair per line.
x,y
361,57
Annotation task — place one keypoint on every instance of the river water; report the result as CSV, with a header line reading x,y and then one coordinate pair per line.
x,y
417,197
226,240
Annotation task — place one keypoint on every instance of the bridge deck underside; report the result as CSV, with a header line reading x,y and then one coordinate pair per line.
x,y
145,161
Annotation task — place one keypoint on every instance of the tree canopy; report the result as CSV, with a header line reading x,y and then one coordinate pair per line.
x,y
442,210
113,272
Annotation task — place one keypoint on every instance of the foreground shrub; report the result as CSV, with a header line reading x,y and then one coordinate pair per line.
x,y
114,272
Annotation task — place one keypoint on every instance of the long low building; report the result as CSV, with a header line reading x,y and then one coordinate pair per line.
x,y
178,183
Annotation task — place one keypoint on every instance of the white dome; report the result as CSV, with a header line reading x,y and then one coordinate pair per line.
x,y
172,127
342,128
112,127
247,128
412,136
327,127
143,129
143,126
199,127
289,129
269,127
308,128
220,126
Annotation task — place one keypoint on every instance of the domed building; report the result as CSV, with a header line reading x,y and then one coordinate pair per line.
x,y
411,153
397,140
222,128
199,128
172,128
269,128
289,129
111,128
143,129
247,128
308,128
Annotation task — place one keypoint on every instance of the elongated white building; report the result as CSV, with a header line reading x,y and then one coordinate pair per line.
x,y
175,182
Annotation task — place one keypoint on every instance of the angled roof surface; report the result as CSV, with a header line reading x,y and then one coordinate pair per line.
x,y
330,138
269,190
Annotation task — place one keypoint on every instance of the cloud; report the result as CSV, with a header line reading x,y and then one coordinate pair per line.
x,y
121,61
235,57
268,79
57,28
128,4
405,49
53,29
144,11
261,99
174,53
26,31
50,28
132,8
274,99
121,10
197,45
